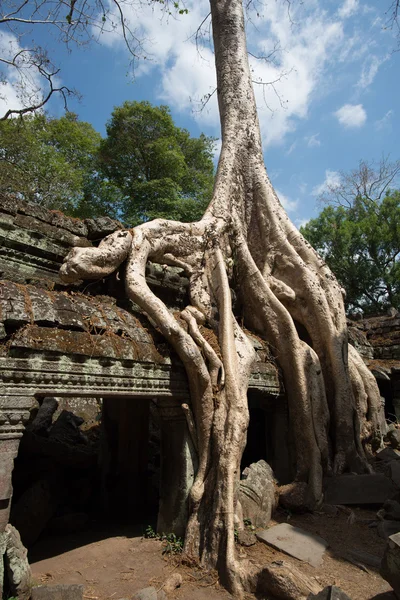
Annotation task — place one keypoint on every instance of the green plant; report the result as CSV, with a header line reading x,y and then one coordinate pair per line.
x,y
150,533
247,522
172,543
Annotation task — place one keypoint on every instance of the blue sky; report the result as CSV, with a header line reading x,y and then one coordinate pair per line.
x,y
334,103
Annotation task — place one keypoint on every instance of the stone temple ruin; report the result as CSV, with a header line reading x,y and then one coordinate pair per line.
x,y
88,346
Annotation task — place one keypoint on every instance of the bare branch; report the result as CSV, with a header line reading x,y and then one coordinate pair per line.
x,y
74,23
369,181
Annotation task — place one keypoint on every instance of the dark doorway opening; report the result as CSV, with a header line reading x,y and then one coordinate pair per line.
x,y
268,434
386,391
130,459
94,477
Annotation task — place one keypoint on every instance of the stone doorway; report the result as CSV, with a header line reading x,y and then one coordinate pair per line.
x,y
138,471
268,435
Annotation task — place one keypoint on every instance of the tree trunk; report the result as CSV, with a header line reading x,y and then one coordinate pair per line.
x,y
245,235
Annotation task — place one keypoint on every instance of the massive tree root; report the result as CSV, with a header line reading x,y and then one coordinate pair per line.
x,y
288,296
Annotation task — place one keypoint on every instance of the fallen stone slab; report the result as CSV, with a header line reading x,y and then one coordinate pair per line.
x,y
331,592
394,472
390,567
282,580
388,528
296,542
360,557
388,454
358,489
57,592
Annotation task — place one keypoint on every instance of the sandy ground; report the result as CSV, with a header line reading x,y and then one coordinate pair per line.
x,y
115,563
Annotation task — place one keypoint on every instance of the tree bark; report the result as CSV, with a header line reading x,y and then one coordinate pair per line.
x,y
245,235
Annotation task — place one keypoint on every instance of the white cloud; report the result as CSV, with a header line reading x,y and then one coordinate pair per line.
x,y
348,8
291,149
312,45
385,123
369,70
19,88
331,181
351,115
313,141
287,203
307,51
187,71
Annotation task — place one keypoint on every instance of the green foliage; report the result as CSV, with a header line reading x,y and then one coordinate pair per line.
x,y
361,244
160,170
172,543
53,162
146,168
150,533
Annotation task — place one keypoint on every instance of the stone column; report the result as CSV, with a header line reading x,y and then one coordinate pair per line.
x,y
178,467
14,413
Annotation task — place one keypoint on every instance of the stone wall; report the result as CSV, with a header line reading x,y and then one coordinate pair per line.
x,y
378,341
88,341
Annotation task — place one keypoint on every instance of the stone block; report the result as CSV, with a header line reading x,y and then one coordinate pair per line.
x,y
280,579
8,204
257,493
58,592
359,556
296,542
17,566
101,227
392,510
331,592
388,454
390,567
388,528
394,472
35,508
72,224
173,582
44,417
394,438
358,489
246,538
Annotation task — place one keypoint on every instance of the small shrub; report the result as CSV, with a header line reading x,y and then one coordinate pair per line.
x,y
172,543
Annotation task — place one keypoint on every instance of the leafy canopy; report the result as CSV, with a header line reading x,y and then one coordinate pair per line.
x,y
53,162
361,244
159,168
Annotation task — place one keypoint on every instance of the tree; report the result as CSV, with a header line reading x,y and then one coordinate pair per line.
x,y
392,18
246,236
53,162
30,68
370,180
161,170
361,245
